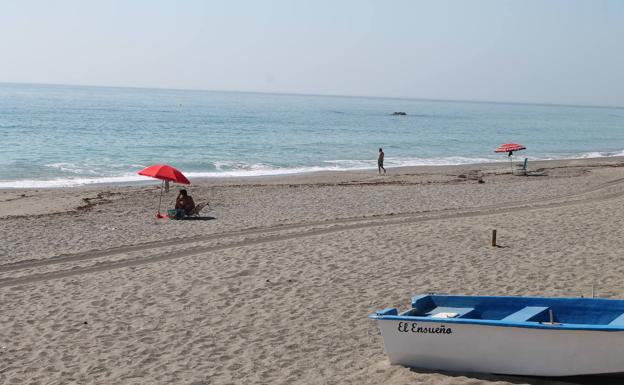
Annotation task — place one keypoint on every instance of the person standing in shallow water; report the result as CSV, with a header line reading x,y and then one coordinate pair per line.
x,y
380,159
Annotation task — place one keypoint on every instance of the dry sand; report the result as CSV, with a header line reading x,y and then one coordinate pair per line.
x,y
274,283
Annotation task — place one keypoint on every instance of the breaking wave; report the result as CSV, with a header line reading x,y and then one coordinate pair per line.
x,y
237,169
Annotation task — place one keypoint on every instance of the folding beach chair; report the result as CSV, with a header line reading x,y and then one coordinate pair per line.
x,y
522,168
198,208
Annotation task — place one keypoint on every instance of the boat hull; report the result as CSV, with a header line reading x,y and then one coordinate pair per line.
x,y
528,351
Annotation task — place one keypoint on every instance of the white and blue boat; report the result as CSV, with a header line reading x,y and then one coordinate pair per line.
x,y
534,336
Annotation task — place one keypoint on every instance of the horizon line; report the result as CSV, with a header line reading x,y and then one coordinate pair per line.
x,y
324,95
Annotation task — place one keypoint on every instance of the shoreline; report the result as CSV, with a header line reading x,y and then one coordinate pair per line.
x,y
24,202
357,173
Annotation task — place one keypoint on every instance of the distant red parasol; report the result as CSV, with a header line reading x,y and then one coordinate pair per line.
x,y
165,173
509,147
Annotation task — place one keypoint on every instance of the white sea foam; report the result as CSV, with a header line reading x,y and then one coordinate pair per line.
x,y
73,168
598,154
69,182
233,169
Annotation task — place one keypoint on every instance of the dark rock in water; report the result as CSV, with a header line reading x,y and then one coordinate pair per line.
x,y
399,113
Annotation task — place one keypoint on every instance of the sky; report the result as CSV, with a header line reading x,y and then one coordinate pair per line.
x,y
550,51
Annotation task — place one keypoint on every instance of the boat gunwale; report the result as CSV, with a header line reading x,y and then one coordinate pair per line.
x,y
517,324
482,322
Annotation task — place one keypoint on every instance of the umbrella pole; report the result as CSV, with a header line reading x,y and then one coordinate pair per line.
x,y
511,163
161,193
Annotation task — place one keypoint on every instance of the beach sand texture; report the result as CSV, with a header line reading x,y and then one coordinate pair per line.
x,y
274,284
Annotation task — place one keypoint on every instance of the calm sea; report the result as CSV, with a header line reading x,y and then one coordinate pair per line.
x,y
69,135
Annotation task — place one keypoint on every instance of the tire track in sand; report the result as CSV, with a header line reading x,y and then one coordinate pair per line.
x,y
94,254
346,224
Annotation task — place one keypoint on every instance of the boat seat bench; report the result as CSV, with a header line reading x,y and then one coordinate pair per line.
x,y
453,312
526,313
462,312
619,320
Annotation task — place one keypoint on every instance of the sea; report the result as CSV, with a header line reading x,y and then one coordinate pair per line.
x,y
64,136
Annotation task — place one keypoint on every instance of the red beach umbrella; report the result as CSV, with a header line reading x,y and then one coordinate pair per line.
x,y
165,173
509,148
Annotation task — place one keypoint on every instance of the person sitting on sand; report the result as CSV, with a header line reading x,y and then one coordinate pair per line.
x,y
184,204
380,160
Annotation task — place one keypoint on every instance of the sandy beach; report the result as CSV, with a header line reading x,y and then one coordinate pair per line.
x,y
274,283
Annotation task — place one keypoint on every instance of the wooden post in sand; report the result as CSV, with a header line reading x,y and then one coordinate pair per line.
x,y
493,238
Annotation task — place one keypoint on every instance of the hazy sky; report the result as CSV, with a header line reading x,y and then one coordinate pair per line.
x,y
546,51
